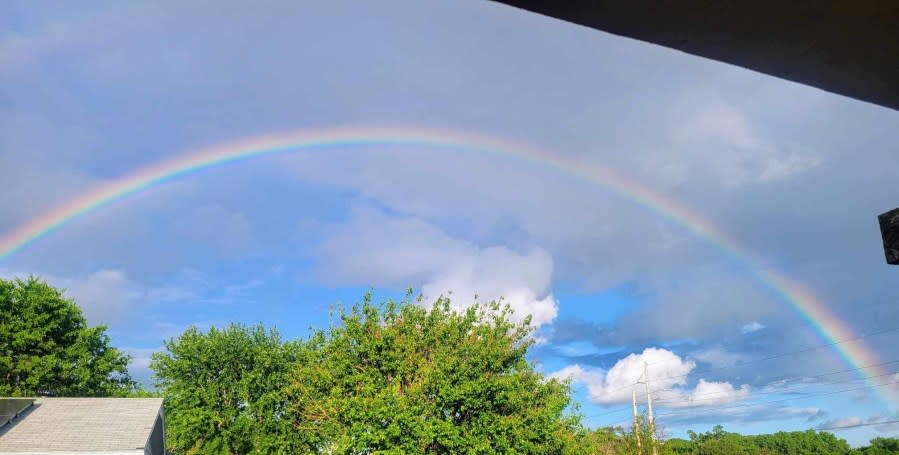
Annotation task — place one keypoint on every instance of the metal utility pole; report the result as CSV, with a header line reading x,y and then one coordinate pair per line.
x,y
636,422
652,420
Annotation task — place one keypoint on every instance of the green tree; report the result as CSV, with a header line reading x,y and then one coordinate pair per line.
x,y
809,442
47,347
603,441
223,390
677,447
879,446
401,378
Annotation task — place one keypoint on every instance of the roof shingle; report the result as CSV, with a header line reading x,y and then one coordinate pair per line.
x,y
82,425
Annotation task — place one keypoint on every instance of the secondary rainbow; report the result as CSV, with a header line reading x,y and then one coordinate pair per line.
x,y
828,326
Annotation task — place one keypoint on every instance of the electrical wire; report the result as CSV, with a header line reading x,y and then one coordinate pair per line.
x,y
775,356
773,392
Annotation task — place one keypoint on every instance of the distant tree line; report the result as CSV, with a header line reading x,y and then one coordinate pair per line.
x,y
389,378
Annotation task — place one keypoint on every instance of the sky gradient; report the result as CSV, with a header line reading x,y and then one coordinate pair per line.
x,y
794,175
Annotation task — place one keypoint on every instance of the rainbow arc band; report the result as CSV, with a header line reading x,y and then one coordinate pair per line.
x,y
809,307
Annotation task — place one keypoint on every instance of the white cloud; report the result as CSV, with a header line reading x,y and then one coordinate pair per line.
x,y
105,296
885,421
139,367
140,358
576,349
718,357
846,421
110,297
710,138
668,374
707,393
539,340
753,326
378,250
521,280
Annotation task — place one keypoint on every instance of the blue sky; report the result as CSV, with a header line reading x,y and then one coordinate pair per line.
x,y
793,174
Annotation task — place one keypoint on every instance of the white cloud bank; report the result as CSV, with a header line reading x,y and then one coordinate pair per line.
x,y
105,296
375,249
668,375
707,137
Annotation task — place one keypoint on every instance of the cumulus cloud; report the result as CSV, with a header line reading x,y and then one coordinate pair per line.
x,y
668,374
718,357
105,296
711,138
843,422
376,249
521,280
139,367
111,297
710,393
753,326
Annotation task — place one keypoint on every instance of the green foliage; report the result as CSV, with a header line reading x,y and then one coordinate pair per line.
x,y
223,390
47,347
400,378
395,378
718,441
677,447
879,446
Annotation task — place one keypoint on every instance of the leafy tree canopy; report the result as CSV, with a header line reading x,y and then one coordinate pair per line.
x,y
879,446
47,347
718,441
391,378
402,378
388,378
224,390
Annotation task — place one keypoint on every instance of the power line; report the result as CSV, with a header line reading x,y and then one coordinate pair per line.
x,y
843,427
775,356
756,403
662,400
799,351
856,425
846,370
803,397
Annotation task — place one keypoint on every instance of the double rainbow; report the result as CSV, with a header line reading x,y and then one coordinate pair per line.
x,y
827,325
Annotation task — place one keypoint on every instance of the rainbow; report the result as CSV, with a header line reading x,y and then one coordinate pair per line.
x,y
825,323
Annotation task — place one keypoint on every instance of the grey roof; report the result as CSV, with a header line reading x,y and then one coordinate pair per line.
x,y
99,425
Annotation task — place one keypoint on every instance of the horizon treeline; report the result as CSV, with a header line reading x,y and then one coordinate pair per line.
x,y
388,378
